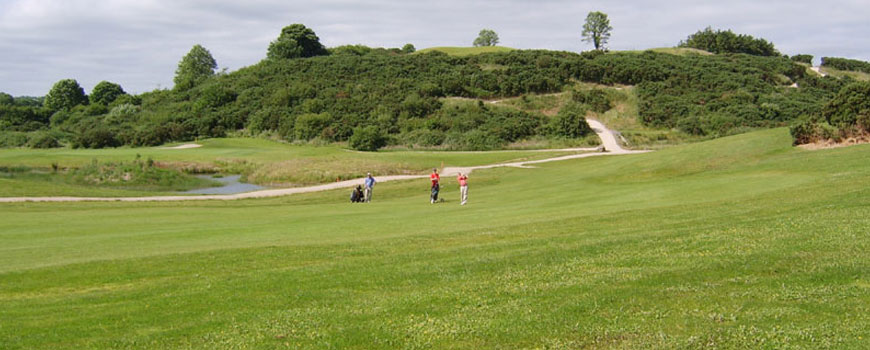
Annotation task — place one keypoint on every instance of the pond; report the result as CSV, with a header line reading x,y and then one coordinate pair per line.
x,y
229,185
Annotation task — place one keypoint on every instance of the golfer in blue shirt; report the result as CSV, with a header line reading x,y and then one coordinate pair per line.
x,y
370,182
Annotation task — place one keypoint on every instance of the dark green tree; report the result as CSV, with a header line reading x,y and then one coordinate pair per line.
x,y
409,48
6,99
486,37
65,94
296,40
726,41
106,92
597,29
197,66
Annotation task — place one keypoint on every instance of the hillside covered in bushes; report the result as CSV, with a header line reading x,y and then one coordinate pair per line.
x,y
377,97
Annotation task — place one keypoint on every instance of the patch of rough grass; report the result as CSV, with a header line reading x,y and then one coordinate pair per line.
x,y
860,76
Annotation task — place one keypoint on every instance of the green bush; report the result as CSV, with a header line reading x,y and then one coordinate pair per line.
x,y
808,59
474,140
808,130
424,137
570,122
852,100
367,138
98,137
595,98
214,96
42,140
13,139
310,125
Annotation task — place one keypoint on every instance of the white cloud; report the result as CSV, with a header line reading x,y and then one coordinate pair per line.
x,y
138,43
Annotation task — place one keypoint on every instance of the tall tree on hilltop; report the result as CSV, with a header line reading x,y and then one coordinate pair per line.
x,y
65,94
197,66
296,40
6,99
597,29
486,37
106,92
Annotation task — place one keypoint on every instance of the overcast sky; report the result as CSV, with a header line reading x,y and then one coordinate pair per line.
x,y
138,43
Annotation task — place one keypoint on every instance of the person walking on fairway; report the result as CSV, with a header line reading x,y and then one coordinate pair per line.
x,y
370,183
435,185
463,188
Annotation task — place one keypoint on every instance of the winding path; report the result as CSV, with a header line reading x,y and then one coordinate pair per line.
x,y
608,140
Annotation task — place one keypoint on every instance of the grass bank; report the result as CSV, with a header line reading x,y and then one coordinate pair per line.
x,y
738,243
260,161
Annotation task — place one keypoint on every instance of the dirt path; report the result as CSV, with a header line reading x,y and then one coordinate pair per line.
x,y
607,139
818,70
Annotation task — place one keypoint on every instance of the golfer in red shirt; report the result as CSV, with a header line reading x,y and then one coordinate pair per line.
x,y
436,187
463,188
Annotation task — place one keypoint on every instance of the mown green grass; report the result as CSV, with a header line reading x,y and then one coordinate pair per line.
x,y
261,161
466,51
738,243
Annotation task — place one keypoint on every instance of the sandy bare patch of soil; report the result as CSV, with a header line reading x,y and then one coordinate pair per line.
x,y
184,146
831,144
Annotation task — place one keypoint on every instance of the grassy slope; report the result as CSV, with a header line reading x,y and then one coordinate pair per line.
x,y
861,76
737,243
263,161
467,51
623,116
680,51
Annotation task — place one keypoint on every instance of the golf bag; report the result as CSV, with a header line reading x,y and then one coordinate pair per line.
x,y
434,196
356,196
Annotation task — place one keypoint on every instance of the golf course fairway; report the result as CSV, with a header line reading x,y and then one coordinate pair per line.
x,y
743,242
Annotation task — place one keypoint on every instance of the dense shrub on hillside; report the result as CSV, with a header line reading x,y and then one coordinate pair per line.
x,y
367,138
846,64
13,139
849,107
596,99
43,140
729,93
403,97
99,137
845,115
808,59
570,121
23,118
726,41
